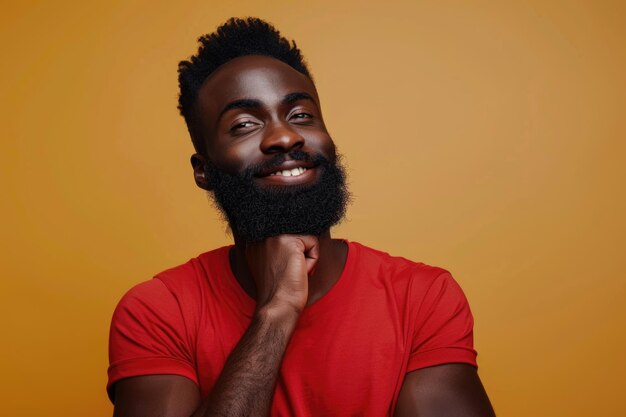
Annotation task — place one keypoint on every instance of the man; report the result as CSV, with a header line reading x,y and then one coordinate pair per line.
x,y
288,321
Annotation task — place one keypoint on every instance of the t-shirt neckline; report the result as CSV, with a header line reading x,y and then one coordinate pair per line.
x,y
248,304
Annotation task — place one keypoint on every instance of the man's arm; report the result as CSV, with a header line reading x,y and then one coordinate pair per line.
x,y
246,384
156,395
244,388
448,390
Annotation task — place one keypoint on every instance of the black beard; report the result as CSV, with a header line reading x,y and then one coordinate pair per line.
x,y
255,213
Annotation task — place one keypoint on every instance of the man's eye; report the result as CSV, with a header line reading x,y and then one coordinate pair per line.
x,y
242,125
301,116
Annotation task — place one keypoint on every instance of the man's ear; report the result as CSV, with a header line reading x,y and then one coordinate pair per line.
x,y
199,175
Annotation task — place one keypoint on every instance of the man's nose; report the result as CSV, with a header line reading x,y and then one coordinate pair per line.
x,y
281,138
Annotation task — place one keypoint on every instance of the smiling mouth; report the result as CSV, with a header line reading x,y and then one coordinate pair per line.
x,y
295,172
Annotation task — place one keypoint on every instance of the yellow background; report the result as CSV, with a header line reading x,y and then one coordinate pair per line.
x,y
484,137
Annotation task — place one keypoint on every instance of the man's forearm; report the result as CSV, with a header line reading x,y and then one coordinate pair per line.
x,y
246,385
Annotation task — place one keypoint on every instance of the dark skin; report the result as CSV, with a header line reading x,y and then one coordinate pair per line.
x,y
248,110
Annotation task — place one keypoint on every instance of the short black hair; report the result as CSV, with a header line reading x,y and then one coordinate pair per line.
x,y
235,38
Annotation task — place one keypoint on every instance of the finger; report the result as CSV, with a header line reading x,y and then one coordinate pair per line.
x,y
310,243
311,252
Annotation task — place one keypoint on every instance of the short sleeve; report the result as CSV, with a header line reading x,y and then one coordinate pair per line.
x,y
443,327
148,336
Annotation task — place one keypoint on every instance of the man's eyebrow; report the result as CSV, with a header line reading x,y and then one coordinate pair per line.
x,y
293,97
250,103
244,103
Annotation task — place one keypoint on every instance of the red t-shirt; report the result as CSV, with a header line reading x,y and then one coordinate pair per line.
x,y
348,355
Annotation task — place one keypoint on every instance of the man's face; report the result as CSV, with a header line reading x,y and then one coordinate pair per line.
x,y
270,161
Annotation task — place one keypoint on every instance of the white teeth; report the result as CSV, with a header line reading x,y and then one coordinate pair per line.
x,y
290,172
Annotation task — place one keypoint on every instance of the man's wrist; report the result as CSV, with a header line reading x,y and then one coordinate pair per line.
x,y
280,314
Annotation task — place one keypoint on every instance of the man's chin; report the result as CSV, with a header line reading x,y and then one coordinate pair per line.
x,y
252,233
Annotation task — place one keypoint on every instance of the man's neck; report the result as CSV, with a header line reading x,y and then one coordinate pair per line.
x,y
332,258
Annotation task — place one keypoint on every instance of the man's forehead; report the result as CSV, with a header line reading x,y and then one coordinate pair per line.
x,y
252,77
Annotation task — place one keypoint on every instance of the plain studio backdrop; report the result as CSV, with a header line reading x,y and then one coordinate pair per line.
x,y
485,137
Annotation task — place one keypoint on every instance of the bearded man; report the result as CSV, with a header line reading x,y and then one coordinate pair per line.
x,y
287,321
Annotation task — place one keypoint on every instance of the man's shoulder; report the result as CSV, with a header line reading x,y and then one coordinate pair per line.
x,y
183,280
393,264
196,268
409,282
